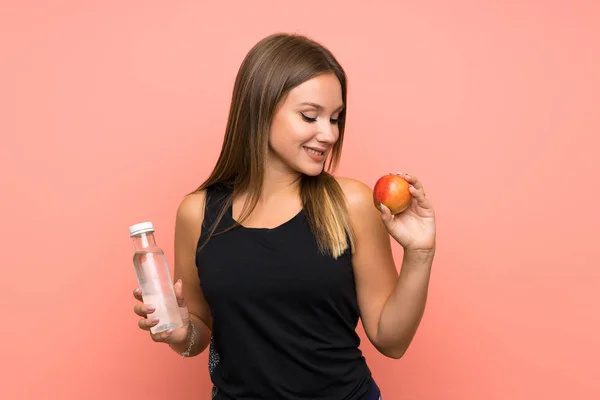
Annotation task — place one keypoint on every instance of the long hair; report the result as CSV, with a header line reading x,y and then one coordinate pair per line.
x,y
273,67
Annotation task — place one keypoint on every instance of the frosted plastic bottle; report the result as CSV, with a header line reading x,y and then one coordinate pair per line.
x,y
154,277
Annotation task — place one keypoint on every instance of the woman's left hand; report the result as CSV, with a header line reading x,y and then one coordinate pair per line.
x,y
414,228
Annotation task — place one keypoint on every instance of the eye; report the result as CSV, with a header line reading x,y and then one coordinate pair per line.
x,y
308,119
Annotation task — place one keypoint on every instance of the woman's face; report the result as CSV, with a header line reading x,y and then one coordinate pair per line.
x,y
304,127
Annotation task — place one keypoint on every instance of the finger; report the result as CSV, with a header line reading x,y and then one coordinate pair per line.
x,y
178,288
183,310
162,336
386,214
147,323
143,309
137,293
419,196
413,181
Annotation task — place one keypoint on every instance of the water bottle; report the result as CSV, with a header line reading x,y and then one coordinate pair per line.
x,y
154,277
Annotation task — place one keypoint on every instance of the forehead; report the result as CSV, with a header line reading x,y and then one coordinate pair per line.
x,y
324,90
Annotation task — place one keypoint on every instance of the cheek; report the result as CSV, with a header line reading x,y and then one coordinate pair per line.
x,y
285,137
336,132
301,132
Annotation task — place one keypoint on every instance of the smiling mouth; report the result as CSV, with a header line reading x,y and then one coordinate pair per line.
x,y
313,151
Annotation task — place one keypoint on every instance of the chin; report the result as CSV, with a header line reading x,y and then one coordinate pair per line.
x,y
312,170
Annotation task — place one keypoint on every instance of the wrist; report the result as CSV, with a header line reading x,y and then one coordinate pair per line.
x,y
422,257
185,346
424,253
190,340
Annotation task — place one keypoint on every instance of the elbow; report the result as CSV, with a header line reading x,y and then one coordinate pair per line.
x,y
394,352
392,345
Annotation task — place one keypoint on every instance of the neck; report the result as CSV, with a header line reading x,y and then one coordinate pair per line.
x,y
279,182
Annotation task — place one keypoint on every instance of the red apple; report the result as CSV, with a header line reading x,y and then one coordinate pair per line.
x,y
392,191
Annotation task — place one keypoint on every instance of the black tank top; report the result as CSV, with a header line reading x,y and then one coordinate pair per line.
x,y
284,315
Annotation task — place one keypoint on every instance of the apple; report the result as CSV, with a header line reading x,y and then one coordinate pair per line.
x,y
392,191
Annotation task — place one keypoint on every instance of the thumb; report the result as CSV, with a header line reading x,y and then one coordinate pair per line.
x,y
183,310
178,288
386,215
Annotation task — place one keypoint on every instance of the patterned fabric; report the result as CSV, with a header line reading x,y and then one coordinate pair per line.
x,y
213,360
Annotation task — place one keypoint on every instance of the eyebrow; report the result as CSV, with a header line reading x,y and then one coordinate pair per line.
x,y
320,107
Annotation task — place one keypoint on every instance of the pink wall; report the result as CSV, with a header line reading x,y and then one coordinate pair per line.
x,y
107,105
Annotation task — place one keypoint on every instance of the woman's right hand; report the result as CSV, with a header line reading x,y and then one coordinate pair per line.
x,y
171,336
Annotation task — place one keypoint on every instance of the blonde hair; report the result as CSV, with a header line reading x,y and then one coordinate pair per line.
x,y
273,67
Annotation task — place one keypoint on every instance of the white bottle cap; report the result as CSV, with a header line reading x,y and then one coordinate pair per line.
x,y
142,227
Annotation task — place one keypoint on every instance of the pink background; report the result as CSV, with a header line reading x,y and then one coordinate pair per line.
x,y
111,111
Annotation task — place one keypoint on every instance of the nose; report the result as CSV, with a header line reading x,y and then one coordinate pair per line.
x,y
328,133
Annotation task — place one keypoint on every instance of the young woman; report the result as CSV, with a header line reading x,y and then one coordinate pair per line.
x,y
276,259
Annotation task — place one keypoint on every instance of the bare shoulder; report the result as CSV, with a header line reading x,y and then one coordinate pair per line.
x,y
188,224
359,197
369,230
365,217
190,212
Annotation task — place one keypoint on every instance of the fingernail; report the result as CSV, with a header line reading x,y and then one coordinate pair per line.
x,y
179,280
155,319
137,290
151,308
169,332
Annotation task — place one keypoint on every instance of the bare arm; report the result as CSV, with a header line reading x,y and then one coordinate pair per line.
x,y
188,225
391,305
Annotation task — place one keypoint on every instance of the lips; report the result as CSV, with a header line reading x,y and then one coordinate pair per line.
x,y
312,150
